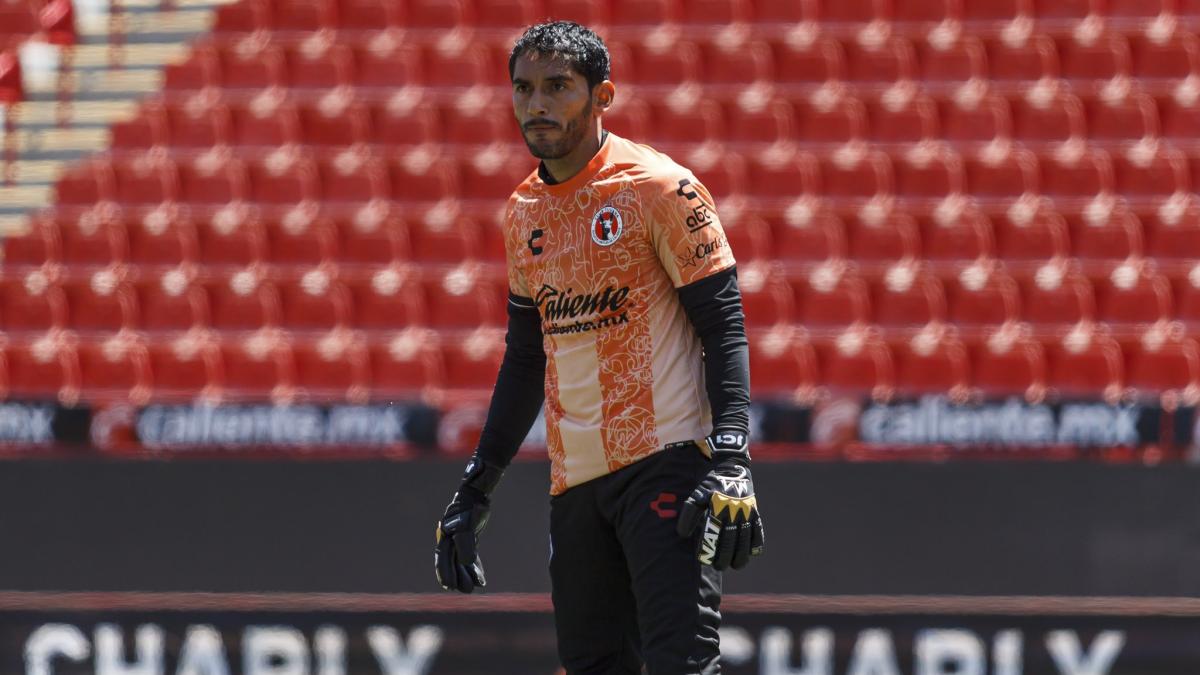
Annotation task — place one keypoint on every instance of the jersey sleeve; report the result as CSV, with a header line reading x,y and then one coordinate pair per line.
x,y
517,284
687,232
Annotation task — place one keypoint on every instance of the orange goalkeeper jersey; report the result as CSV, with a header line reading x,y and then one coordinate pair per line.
x,y
601,255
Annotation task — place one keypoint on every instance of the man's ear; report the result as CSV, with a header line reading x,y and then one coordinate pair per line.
x,y
604,95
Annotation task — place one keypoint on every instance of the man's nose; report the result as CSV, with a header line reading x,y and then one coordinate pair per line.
x,y
536,107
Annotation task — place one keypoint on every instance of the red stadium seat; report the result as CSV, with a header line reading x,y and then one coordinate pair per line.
x,y
700,14
304,16
405,364
443,238
1132,294
114,370
231,238
1065,13
242,301
1056,294
506,14
1106,232
268,121
1186,285
492,175
830,297
1164,59
101,301
1084,363
1047,117
1094,61
749,237
760,122
201,70
472,362
147,129
1081,173
213,178
464,298
629,119
849,13
421,176
39,245
824,121
876,236
332,368
252,63
94,239
951,64
1172,230
284,177
1129,118
689,124
368,15
172,302
1151,171
85,184
436,14
808,63
808,235
1027,232
475,124
313,301
1166,363
185,368
31,302
1180,121
987,15
199,123
335,119
244,17
955,231
257,368
643,13
44,368
906,295
301,237
1008,362
1013,63
161,238
372,235
146,179
387,62
982,294
583,12
782,176
915,15
902,120
354,176
979,119
856,363
1001,175
783,11
456,64
782,363
765,295
883,64
387,299
927,173
736,64
858,175
932,362
1137,13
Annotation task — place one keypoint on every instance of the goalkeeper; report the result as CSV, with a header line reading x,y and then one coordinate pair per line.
x,y
625,319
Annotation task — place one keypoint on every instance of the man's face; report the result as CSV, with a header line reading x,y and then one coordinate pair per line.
x,y
553,104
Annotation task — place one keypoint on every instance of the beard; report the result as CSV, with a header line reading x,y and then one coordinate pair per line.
x,y
570,138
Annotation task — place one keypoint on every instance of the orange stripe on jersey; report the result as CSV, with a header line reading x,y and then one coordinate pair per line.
x,y
553,414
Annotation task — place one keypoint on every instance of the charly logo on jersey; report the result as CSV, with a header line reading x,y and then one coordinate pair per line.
x,y
607,226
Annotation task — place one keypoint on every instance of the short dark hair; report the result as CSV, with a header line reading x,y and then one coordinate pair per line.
x,y
578,45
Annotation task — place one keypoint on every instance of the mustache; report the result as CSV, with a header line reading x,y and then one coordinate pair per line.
x,y
540,121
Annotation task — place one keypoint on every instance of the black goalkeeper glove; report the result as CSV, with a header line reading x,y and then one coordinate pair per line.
x,y
455,558
724,502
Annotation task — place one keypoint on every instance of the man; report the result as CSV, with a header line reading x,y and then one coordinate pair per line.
x,y
626,319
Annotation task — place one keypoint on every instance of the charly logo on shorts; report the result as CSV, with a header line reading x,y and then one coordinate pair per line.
x,y
607,226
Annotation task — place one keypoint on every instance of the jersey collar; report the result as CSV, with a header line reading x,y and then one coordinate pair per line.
x,y
583,175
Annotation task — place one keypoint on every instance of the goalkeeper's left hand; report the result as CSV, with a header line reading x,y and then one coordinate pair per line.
x,y
724,502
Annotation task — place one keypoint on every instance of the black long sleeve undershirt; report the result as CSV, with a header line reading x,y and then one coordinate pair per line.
x,y
520,385
714,306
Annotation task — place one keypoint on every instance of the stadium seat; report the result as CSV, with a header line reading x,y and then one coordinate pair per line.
x,y
463,298
256,368
877,236
856,176
42,368
184,368
642,14
807,64
1008,362
285,177
200,71
1186,285
766,297
368,15
702,14
199,124
405,364
456,64
927,173
232,237
783,363
687,125
85,184
319,65
956,232
476,124
1078,174
1132,14
895,120
353,176
435,14
300,237
492,175
1165,363
424,176
1129,118
1172,230
857,362
932,362
630,119
1104,232
783,12
1084,363
100,301
781,177
171,302
387,299
1163,60
472,361
1132,294
923,15
1056,294
147,129
848,15
982,294
870,65
213,178
268,121
114,370
831,296
1151,171
242,301
951,64
243,17
1180,121
807,236
975,120
824,121
39,245
906,296
334,120
749,238
759,123
1025,231
1017,63
373,234
1042,117
1004,174
735,64
31,302
144,179
93,239
1065,14
334,367
313,301
986,16
385,62
252,63
1094,61
303,17
443,238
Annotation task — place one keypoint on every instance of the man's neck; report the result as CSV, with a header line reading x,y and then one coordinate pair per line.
x,y
554,171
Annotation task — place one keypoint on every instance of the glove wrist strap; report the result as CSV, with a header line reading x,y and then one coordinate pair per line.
x,y
481,476
729,445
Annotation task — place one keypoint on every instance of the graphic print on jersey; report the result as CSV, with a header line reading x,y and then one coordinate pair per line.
x,y
623,363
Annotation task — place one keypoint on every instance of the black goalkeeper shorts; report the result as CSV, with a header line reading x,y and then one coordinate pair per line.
x,y
627,589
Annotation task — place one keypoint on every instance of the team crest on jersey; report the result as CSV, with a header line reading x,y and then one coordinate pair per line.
x,y
607,226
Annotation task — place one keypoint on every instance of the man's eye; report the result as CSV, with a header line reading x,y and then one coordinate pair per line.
x,y
559,86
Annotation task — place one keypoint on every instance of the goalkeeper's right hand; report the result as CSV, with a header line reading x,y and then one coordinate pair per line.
x,y
455,558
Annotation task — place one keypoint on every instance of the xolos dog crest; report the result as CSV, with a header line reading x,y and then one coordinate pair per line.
x,y
607,226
